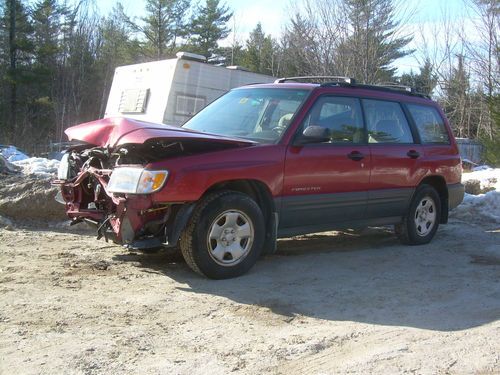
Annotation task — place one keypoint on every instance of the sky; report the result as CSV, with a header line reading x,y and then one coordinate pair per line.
x,y
273,14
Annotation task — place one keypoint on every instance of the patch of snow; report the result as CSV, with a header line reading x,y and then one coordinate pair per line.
x,y
482,207
488,177
40,167
5,222
468,162
481,168
12,154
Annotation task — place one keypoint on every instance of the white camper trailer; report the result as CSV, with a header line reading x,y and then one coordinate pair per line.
x,y
172,91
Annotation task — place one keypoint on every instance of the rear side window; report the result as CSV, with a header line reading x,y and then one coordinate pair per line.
x,y
386,122
429,123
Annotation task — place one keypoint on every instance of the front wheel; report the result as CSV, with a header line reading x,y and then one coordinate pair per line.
x,y
422,221
225,235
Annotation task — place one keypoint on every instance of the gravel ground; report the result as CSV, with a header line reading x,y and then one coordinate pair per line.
x,y
345,302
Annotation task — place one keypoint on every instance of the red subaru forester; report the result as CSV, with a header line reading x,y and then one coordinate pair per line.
x,y
262,162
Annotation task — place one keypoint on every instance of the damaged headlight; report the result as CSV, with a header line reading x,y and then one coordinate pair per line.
x,y
63,170
132,180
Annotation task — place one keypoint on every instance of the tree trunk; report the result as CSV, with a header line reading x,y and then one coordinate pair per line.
x,y
13,64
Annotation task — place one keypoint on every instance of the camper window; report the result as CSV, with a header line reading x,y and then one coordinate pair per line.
x,y
188,105
133,101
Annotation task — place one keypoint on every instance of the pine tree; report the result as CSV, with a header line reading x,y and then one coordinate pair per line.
x,y
3,71
299,47
17,53
232,55
46,18
261,52
373,44
208,26
117,48
491,144
457,99
164,23
424,82
46,15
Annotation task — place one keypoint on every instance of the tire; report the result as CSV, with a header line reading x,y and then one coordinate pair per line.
x,y
225,235
422,221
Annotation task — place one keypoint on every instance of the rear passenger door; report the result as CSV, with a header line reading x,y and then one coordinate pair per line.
x,y
396,158
327,182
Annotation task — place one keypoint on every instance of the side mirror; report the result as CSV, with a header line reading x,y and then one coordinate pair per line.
x,y
314,134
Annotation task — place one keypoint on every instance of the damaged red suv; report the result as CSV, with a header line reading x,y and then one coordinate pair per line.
x,y
262,162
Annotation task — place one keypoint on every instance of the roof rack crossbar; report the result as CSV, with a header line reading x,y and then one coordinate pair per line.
x,y
342,79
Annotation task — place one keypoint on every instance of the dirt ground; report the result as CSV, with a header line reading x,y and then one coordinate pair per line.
x,y
29,200
350,302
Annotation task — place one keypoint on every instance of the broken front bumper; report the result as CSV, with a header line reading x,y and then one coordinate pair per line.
x,y
135,221
121,218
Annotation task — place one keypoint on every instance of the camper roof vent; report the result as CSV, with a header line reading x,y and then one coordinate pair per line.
x,y
190,56
237,67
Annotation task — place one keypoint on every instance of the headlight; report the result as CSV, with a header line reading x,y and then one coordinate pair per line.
x,y
63,170
133,180
151,181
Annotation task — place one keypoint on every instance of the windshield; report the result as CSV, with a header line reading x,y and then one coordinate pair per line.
x,y
259,114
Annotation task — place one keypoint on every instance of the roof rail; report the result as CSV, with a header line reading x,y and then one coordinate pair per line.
x,y
388,87
351,82
396,86
331,79
391,86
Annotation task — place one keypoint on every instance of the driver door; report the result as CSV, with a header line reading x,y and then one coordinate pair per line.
x,y
327,183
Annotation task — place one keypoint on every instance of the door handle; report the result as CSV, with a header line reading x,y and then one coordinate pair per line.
x,y
413,154
356,155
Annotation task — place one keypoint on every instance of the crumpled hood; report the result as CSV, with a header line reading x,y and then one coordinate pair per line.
x,y
116,131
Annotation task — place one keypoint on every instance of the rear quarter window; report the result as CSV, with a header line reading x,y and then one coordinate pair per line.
x,y
430,124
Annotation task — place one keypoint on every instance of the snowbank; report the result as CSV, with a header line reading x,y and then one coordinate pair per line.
x,y
40,167
12,154
4,222
29,196
6,167
482,207
481,168
488,177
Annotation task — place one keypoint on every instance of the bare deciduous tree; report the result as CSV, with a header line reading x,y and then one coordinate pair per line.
x,y
357,38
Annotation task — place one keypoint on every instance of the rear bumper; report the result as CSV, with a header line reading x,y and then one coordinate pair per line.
x,y
455,195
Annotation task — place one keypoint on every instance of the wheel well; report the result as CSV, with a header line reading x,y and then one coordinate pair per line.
x,y
257,190
439,183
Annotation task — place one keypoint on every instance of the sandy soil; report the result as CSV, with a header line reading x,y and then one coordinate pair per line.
x,y
350,302
29,199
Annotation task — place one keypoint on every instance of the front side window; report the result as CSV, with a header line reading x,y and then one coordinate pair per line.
x,y
340,115
386,122
260,114
429,123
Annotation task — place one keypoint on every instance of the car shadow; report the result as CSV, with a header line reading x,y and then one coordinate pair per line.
x,y
364,276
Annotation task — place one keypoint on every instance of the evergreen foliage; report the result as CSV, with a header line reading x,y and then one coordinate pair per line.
x,y
260,53
208,26
373,44
424,82
57,58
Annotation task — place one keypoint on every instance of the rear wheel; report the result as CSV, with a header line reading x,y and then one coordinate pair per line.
x,y
225,235
422,221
